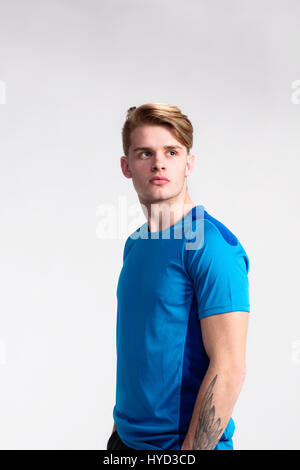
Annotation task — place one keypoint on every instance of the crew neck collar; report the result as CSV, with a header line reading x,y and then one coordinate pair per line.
x,y
191,214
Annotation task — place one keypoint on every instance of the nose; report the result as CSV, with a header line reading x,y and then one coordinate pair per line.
x,y
158,162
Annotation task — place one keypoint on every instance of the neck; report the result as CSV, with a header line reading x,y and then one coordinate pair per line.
x,y
164,214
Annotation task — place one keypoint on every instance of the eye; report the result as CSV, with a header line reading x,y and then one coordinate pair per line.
x,y
144,153
149,153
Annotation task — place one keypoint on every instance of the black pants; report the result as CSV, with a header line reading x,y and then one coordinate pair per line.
x,y
115,443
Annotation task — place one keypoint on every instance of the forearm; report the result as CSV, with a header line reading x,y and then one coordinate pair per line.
x,y
213,407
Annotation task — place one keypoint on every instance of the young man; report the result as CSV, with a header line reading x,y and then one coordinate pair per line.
x,y
182,312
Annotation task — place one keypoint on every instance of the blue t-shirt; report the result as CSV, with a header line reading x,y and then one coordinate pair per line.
x,y
170,280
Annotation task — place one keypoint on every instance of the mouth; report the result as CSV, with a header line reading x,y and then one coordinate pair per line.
x,y
159,181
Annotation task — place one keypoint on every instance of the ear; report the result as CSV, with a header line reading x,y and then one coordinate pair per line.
x,y
125,167
190,162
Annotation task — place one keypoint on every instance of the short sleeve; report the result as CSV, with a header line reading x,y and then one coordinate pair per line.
x,y
219,273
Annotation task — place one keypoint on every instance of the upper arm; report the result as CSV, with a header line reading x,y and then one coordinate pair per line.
x,y
224,337
219,272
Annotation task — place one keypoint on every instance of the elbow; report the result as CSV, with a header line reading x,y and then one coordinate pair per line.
x,y
233,380
236,377
233,373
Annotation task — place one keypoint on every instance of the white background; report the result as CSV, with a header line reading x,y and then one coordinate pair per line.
x,y
71,70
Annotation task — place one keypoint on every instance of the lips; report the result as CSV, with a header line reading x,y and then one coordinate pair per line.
x,y
161,179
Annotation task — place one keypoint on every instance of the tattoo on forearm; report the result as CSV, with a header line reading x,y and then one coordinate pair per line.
x,y
208,430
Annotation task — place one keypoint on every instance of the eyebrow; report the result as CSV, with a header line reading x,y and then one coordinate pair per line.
x,y
165,147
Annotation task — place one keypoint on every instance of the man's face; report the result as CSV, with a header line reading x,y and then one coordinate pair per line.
x,y
154,151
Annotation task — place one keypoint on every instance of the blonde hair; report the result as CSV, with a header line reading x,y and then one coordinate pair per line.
x,y
161,114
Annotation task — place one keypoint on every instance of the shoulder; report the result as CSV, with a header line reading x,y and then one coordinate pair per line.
x,y
217,245
216,229
210,234
132,238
